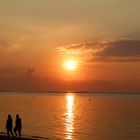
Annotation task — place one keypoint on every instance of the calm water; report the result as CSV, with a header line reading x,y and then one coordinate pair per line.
x,y
74,116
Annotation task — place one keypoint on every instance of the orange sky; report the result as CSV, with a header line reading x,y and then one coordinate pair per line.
x,y
37,37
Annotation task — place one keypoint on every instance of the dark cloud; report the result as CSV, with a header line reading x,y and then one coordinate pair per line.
x,y
29,81
34,83
124,50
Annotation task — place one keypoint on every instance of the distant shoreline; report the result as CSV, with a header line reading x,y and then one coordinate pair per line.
x,y
84,92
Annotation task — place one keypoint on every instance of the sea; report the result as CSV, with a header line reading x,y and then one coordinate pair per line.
x,y
73,116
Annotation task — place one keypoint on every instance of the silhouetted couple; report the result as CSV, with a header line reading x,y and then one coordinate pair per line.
x,y
17,128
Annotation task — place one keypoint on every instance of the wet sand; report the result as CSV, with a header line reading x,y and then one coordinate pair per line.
x,y
4,137
14,138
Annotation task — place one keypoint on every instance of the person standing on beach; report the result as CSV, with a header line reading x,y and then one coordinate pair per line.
x,y
9,125
18,126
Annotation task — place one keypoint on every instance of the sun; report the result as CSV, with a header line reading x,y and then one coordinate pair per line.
x,y
70,65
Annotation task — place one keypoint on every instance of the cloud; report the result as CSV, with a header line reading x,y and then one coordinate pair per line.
x,y
123,50
7,46
84,50
30,81
11,46
4,44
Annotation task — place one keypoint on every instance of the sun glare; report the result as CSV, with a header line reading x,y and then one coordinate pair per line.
x,y
70,65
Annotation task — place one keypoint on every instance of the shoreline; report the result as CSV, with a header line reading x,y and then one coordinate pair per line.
x,y
5,137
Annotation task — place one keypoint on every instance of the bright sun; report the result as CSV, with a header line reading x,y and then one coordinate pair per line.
x,y
70,65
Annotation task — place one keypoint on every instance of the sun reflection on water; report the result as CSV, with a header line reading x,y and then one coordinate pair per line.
x,y
69,116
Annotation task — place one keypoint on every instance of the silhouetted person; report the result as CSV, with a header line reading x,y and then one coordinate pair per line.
x,y
9,125
18,126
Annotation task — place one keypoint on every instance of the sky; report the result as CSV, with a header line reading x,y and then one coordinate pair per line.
x,y
101,36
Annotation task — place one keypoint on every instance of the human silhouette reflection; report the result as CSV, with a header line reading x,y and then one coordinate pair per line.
x,y
9,125
18,126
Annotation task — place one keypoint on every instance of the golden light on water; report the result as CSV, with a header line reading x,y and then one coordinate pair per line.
x,y
69,116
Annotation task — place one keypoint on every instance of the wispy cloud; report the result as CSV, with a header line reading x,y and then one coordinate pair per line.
x,y
86,50
12,46
122,50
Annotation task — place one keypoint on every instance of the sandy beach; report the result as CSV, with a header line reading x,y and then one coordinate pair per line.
x,y
4,137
